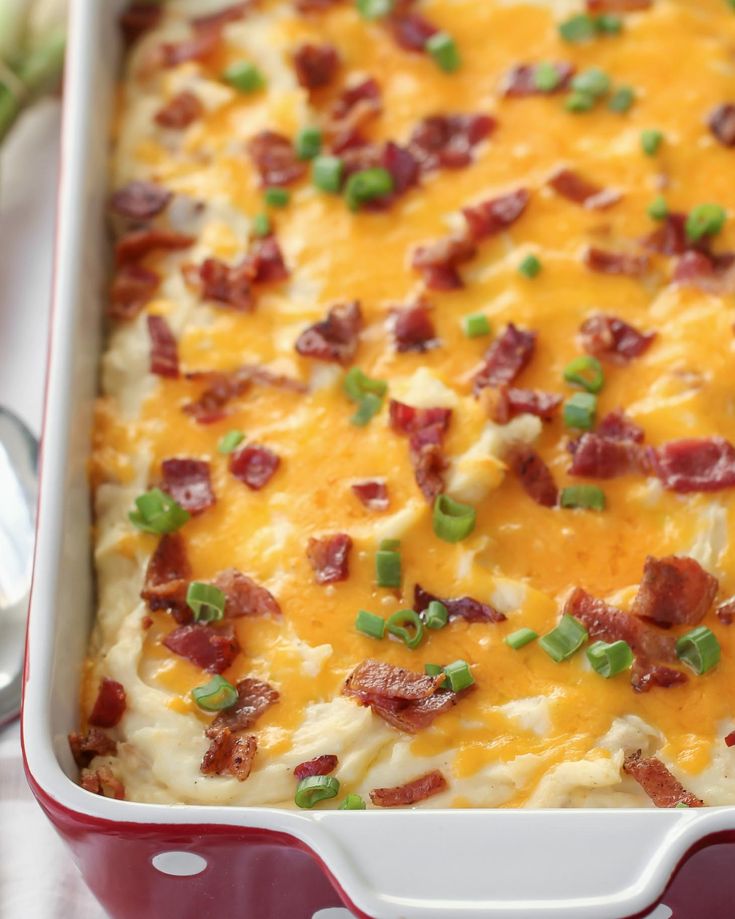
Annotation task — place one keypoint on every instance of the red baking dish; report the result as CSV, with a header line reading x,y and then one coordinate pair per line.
x,y
144,860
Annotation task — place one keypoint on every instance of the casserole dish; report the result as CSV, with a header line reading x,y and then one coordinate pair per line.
x,y
145,860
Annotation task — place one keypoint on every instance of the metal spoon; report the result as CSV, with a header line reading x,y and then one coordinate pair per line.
x,y
18,493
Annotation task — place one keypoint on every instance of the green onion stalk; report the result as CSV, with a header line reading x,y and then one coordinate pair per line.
x,y
32,43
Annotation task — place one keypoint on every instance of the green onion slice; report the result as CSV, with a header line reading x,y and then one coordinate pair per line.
x,y
546,77
436,615
585,371
443,48
578,28
357,385
366,185
277,197
326,173
388,568
609,24
658,209
580,411
453,521
565,640
610,659
433,669
244,77
353,803
459,676
593,82
699,649
530,266
589,497
230,441
308,143
388,544
651,140
206,601
369,624
705,220
579,102
157,512
520,638
215,695
406,624
621,100
476,325
314,789
261,226
368,408
374,9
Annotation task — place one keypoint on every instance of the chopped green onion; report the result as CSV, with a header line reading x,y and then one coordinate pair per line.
x,y
580,411
476,325
388,544
411,636
261,225
588,496
453,521
436,615
520,638
358,384
244,77
367,185
443,48
705,220
206,601
651,140
578,28
433,669
374,9
546,77
369,624
579,102
388,568
367,409
353,803
157,513
610,659
621,100
459,675
699,649
314,789
658,209
585,371
593,82
230,441
308,143
215,695
326,173
609,24
565,640
530,266
681,803
277,197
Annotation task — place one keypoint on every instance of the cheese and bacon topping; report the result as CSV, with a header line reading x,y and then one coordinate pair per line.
x,y
414,462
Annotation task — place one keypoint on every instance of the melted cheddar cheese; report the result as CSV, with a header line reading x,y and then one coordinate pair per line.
x,y
533,732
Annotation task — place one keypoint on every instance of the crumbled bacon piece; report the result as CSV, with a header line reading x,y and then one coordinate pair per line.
x,y
721,123
706,464
713,274
275,159
611,339
329,557
521,80
229,754
254,465
405,419
315,6
620,263
138,243
320,765
212,649
657,782
266,261
670,237
109,707
725,612
230,285
675,590
316,65
366,91
644,676
188,482
164,349
84,747
373,494
535,476
102,782
137,19
425,428
448,141
458,608
198,47
412,717
402,165
576,188
599,457
437,262
222,388
617,6
433,783
429,466
132,287
617,426
411,30
244,596
413,329
221,17
378,680
511,402
495,215
139,201
253,698
358,104
167,578
506,357
334,338
730,739
180,111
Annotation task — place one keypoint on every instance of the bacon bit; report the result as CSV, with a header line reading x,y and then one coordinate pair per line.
x,y
84,747
354,108
534,474
657,782
224,387
459,608
611,339
617,426
433,783
373,494
598,457
229,754
725,612
212,649
334,338
244,596
574,187
722,124
315,6
706,464
437,262
109,706
275,159
329,557
316,65
181,111
645,675
413,329
139,200
167,578
253,698
132,287
222,17
489,218
412,717
187,481
230,285
448,141
521,80
198,47
713,274
374,679
429,466
405,419
254,465
618,6
511,402
675,590
367,90
670,237
411,30
135,245
402,165
146,622
164,350
506,357
102,782
137,19
618,263
321,765
266,260
730,739
426,428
